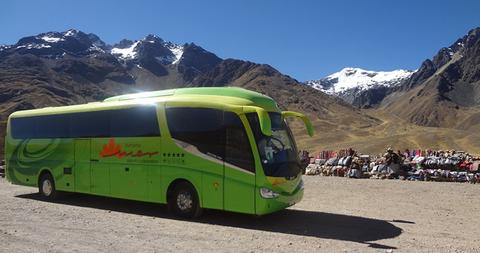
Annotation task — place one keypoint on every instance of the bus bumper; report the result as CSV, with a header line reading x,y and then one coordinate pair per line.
x,y
266,206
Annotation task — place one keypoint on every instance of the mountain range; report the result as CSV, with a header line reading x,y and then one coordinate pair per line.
x,y
61,68
360,87
435,106
443,92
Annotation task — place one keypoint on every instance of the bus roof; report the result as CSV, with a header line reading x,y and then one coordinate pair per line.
x,y
234,96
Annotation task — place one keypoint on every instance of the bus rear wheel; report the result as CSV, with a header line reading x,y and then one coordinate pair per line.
x,y
184,201
46,187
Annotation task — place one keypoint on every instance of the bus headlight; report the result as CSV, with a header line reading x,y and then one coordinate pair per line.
x,y
268,194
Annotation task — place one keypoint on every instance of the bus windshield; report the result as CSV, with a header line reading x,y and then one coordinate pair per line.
x,y
278,152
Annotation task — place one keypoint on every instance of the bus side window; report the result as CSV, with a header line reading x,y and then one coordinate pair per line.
x,y
199,127
138,121
134,122
40,127
89,124
237,149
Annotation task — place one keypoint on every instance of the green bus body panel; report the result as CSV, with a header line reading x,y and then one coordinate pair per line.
x,y
128,181
205,175
28,158
81,169
239,191
121,167
143,168
100,179
212,189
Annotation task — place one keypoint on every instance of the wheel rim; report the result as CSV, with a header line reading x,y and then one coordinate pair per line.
x,y
47,187
184,201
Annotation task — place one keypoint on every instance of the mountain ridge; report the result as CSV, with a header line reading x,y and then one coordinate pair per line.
x,y
445,91
360,87
53,69
71,67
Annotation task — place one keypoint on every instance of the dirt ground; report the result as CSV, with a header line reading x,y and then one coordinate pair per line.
x,y
336,215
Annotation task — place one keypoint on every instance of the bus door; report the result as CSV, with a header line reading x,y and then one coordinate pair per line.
x,y
81,170
239,167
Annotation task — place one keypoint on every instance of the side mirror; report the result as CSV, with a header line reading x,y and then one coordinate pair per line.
x,y
263,118
305,119
265,123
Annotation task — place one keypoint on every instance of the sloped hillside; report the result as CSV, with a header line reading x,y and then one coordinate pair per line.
x,y
445,92
60,68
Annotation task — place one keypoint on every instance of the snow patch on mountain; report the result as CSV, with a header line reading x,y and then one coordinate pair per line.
x,y
125,53
130,51
4,47
34,46
71,32
358,79
177,51
52,39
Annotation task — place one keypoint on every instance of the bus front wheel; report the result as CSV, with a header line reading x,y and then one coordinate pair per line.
x,y
46,187
184,201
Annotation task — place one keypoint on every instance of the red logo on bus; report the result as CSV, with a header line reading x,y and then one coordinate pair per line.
x,y
112,149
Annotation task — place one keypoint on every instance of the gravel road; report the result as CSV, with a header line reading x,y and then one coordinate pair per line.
x,y
336,215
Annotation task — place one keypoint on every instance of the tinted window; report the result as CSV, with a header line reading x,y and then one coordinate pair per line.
x,y
199,127
212,132
91,124
131,122
50,126
237,147
21,129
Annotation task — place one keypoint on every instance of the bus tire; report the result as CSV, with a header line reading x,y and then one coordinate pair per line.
x,y
184,201
46,187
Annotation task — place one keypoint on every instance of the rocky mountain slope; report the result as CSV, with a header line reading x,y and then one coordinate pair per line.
x,y
435,107
445,91
60,68
359,87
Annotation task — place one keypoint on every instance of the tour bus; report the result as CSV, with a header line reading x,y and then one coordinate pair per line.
x,y
191,148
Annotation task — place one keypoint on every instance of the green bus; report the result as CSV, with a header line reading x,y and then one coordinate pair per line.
x,y
191,148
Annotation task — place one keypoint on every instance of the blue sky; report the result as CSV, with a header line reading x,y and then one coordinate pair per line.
x,y
303,39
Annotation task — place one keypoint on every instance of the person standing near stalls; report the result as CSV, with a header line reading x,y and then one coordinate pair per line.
x,y
392,161
355,170
304,157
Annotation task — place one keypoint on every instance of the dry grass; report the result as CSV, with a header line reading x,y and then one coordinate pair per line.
x,y
391,131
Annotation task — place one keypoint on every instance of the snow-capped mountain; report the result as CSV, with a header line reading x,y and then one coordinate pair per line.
x,y
152,54
164,51
148,51
358,86
57,45
358,79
